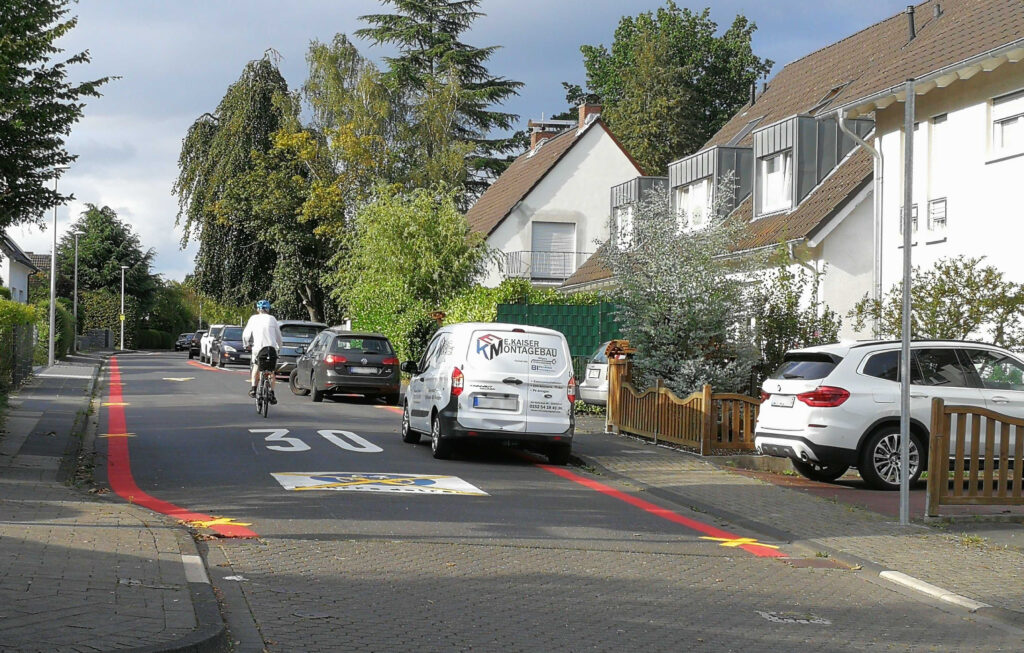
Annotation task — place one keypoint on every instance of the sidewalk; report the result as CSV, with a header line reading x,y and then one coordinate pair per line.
x,y
81,572
976,569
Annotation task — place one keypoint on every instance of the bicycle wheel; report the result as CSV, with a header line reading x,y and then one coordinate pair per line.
x,y
265,387
259,398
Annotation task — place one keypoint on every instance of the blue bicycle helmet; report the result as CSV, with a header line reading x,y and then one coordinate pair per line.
x,y
263,305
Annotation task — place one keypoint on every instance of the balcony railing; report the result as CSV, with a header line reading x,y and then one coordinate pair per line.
x,y
543,267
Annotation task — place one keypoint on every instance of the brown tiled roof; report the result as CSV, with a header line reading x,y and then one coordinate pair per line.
x,y
592,270
880,57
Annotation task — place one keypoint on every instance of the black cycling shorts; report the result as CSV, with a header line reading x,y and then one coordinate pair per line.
x,y
267,359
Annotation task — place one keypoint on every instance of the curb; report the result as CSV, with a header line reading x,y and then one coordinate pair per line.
x,y
1004,616
76,441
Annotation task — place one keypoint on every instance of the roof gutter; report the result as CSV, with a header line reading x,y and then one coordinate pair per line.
x,y
986,61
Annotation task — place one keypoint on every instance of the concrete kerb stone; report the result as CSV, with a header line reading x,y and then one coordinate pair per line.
x,y
810,547
210,634
76,442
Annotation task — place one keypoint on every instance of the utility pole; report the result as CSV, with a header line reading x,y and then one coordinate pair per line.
x,y
123,268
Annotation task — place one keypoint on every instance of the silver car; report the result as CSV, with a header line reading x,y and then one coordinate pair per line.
x,y
594,388
296,336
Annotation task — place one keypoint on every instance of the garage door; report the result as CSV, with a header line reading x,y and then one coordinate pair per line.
x,y
554,250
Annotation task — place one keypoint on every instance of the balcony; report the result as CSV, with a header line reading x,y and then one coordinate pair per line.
x,y
542,267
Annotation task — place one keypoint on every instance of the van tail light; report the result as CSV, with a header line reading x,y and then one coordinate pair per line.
x,y
458,381
824,397
570,391
389,361
334,359
764,396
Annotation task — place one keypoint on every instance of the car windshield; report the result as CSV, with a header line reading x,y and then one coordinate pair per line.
x,y
599,356
364,345
232,333
299,332
805,366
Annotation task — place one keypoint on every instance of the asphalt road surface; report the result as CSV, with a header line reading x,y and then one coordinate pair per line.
x,y
358,541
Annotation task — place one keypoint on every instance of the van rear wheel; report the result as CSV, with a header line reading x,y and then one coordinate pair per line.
x,y
441,447
558,454
819,472
408,434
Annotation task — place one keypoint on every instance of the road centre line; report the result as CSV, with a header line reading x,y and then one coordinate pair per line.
x,y
727,538
119,470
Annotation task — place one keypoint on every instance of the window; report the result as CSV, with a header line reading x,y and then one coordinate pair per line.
x,y
693,203
913,219
997,371
942,367
623,221
1008,124
775,180
885,365
554,250
805,366
361,346
937,214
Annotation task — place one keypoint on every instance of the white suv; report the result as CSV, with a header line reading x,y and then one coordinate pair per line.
x,y
837,406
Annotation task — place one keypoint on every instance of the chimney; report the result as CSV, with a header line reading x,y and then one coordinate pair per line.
x,y
587,110
936,10
911,31
536,136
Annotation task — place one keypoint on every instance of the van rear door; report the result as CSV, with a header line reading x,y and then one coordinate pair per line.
x,y
497,382
548,410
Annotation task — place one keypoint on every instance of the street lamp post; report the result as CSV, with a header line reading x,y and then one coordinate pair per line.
x,y
50,358
74,341
123,268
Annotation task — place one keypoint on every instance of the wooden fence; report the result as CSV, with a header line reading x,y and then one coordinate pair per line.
x,y
704,421
974,458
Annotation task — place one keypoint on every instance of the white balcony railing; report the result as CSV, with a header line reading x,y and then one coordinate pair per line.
x,y
543,267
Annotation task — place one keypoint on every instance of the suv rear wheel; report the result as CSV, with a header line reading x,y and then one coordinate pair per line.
x,y
819,472
880,459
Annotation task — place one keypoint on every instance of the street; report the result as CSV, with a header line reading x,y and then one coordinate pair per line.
x,y
492,550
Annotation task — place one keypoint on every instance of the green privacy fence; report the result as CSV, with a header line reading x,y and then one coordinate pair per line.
x,y
585,326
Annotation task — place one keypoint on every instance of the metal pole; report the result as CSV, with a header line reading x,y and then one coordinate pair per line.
x,y
53,283
121,316
74,341
907,217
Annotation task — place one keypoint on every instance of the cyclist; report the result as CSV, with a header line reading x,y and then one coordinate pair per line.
x,y
263,331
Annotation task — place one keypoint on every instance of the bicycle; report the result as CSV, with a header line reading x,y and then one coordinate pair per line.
x,y
263,393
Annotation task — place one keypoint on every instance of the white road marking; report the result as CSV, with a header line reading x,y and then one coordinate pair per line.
x,y
376,482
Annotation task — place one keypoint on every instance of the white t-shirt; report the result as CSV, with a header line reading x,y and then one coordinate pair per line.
x,y
264,331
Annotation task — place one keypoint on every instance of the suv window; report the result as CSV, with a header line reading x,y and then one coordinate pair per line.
x,y
942,367
997,370
885,365
805,366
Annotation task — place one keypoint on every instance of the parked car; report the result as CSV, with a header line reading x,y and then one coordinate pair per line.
x,y
194,343
347,362
837,406
229,348
503,382
207,340
594,388
182,341
296,336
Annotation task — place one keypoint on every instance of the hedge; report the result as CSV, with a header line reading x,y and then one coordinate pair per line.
x,y
65,325
155,339
99,309
13,313
5,292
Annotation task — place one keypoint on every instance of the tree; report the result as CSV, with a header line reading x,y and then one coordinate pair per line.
x,y
38,106
433,60
958,298
680,300
412,252
668,83
233,262
105,245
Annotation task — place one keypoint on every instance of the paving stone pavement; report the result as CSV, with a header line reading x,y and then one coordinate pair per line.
x,y
938,555
80,572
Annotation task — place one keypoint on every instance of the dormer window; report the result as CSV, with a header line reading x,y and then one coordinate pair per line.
x,y
775,182
622,217
693,202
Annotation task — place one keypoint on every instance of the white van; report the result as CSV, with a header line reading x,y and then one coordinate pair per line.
x,y
492,381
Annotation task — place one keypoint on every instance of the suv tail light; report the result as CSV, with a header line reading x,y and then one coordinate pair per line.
x,y
570,391
824,397
457,381
334,359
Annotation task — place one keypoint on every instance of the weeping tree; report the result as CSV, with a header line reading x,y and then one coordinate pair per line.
x,y
217,152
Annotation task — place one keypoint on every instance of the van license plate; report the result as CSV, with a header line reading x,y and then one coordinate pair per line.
x,y
783,401
363,370
495,403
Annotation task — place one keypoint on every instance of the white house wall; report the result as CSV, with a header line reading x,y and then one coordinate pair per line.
x,y
984,196
15,278
846,256
575,191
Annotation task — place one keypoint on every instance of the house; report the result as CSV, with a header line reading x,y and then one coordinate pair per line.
x,y
795,163
542,214
15,268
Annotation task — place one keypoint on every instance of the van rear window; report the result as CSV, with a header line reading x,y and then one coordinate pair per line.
x,y
805,366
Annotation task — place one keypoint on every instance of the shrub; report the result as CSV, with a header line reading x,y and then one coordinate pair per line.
x,y
155,339
5,293
65,326
100,310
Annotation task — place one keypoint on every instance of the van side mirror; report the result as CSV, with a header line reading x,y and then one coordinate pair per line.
x,y
410,367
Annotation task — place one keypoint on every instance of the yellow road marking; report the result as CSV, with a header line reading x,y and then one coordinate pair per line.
x,y
217,521
117,435
116,403
398,482
738,541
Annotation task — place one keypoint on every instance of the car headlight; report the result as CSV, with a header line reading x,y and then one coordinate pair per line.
x,y
229,349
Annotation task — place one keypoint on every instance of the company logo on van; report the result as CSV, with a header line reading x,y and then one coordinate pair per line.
x,y
491,346
488,345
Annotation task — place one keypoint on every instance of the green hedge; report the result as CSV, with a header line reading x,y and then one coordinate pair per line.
x,y
65,325
155,339
5,292
99,309
12,313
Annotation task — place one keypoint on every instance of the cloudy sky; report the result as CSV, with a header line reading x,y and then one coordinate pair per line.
x,y
175,59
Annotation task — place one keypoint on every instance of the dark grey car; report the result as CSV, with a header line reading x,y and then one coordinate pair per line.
x,y
229,348
347,362
296,335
